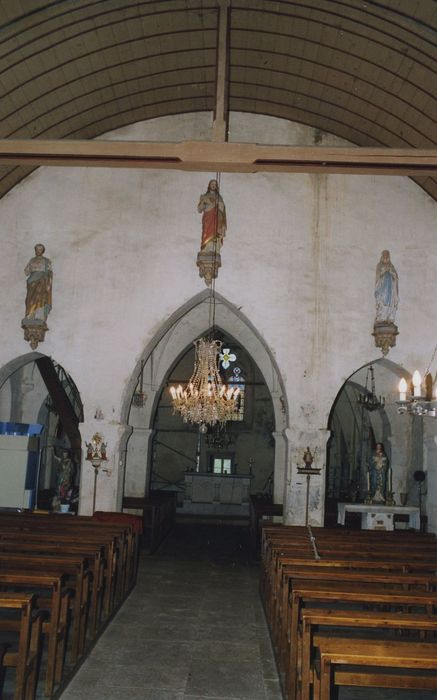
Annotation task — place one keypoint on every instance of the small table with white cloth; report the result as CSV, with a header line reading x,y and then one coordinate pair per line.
x,y
379,517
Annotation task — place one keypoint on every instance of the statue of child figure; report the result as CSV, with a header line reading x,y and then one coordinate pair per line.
x,y
377,475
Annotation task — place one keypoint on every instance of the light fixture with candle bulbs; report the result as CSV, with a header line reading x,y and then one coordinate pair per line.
x,y
205,399
422,401
369,400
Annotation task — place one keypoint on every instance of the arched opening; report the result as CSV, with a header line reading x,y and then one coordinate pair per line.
x,y
357,424
215,473
40,443
168,358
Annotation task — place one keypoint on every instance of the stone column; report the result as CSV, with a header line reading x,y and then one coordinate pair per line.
x,y
280,467
296,485
400,453
138,459
429,500
110,475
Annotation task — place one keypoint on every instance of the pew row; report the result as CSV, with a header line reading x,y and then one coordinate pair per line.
x,y
302,567
23,653
78,570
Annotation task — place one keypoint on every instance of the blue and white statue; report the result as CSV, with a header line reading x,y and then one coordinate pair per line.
x,y
386,289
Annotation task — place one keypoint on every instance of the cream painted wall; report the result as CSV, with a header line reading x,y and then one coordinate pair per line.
x,y
299,261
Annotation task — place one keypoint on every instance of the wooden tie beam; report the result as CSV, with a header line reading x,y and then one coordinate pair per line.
x,y
206,156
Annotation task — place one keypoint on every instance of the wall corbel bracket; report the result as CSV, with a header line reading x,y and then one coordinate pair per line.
x,y
385,333
34,331
208,264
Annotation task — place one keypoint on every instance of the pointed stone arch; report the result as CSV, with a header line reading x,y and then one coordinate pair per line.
x,y
390,428
34,389
188,323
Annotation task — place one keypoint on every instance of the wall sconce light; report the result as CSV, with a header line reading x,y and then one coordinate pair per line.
x,y
423,401
419,403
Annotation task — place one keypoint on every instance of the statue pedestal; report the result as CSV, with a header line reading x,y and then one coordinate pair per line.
x,y
34,331
385,333
208,264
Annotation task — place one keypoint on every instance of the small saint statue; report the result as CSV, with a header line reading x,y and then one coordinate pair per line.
x,y
386,301
377,475
38,297
214,223
308,458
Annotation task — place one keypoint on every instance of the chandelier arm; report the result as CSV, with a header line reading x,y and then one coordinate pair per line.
x,y
431,361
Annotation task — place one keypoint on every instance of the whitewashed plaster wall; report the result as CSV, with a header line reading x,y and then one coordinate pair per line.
x,y
299,261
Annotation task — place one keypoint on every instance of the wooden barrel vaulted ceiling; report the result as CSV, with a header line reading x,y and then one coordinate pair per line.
x,y
364,70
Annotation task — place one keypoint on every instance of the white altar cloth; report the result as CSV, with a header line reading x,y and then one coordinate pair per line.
x,y
379,517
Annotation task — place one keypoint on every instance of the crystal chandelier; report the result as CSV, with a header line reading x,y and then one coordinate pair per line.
x,y
369,400
206,400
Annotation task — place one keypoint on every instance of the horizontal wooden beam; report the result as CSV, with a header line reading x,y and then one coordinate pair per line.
x,y
206,156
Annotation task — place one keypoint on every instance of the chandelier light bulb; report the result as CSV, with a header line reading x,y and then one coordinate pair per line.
x,y
403,389
417,381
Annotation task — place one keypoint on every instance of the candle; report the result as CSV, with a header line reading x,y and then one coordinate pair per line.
x,y
389,479
368,480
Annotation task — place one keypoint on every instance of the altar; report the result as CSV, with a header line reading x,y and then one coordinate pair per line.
x,y
379,517
216,494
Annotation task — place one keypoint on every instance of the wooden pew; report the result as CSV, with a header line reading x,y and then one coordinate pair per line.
x,y
24,658
278,553
44,545
291,555
374,655
295,575
309,593
275,594
79,580
120,541
56,605
99,560
67,536
315,619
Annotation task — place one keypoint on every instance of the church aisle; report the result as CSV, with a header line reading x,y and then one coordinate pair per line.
x,y
192,628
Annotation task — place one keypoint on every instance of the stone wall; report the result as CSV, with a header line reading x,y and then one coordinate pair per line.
x,y
298,266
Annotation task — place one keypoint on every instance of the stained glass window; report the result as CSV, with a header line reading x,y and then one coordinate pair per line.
x,y
236,378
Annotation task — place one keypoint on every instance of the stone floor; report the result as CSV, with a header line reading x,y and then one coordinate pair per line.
x,y
193,628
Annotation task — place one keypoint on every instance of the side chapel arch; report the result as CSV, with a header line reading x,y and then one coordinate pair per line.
x,y
162,352
36,390
353,429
